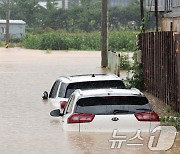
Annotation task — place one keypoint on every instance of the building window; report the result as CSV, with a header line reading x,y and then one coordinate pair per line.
x,y
178,3
2,30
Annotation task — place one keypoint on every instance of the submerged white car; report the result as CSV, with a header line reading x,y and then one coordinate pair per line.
x,y
103,110
64,86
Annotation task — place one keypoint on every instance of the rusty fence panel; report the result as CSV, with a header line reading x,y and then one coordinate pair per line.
x,y
161,66
177,49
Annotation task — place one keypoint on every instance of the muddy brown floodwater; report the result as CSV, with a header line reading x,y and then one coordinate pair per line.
x,y
25,124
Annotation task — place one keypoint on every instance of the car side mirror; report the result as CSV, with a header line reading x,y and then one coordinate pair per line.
x,y
45,95
56,113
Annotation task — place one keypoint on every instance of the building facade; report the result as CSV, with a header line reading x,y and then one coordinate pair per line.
x,y
121,3
16,29
170,11
171,18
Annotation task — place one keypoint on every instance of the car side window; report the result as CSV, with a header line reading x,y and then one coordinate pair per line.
x,y
54,89
70,104
62,90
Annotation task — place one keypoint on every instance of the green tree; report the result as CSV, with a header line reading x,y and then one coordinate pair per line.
x,y
3,9
120,16
85,16
26,10
48,12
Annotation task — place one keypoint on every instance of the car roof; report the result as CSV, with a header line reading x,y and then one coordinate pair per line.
x,y
88,77
109,92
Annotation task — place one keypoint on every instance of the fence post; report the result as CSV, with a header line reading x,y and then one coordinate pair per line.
x,y
118,62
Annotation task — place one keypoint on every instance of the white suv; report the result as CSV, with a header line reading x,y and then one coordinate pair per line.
x,y
64,86
103,110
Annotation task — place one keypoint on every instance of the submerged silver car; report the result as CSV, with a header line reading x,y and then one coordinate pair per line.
x,y
64,86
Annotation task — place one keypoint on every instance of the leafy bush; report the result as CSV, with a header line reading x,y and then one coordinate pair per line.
x,y
136,81
32,41
1,44
122,40
124,63
61,40
171,121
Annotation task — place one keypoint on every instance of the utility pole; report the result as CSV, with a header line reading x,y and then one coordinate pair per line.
x,y
7,22
63,4
104,34
156,14
142,16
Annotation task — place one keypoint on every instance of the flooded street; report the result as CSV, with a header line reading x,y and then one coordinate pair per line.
x,y
25,123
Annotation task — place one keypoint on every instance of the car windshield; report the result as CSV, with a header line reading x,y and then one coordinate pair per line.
x,y
112,105
114,84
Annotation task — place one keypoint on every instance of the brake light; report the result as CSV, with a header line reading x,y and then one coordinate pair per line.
x,y
62,104
80,118
147,116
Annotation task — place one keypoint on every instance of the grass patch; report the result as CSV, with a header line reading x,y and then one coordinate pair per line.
x,y
61,40
171,121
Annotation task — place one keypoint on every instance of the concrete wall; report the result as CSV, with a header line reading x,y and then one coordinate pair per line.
x,y
16,31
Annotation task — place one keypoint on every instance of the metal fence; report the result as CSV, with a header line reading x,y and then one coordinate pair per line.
x,y
114,62
161,66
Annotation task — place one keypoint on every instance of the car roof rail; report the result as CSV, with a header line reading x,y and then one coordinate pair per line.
x,y
65,77
93,75
79,91
137,90
115,75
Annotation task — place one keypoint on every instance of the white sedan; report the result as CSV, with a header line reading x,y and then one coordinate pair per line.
x,y
103,110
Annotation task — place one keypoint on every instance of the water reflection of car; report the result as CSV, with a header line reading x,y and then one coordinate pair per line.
x,y
126,110
64,86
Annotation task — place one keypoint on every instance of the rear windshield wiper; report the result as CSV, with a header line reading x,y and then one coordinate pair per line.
x,y
121,111
144,109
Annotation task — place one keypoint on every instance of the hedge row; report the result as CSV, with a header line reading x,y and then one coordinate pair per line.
x,y
118,40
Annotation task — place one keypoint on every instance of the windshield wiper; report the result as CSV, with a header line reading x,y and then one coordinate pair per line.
x,y
144,109
121,111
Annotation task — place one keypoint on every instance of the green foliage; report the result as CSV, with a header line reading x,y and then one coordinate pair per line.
x,y
26,10
124,40
122,15
31,41
171,121
61,40
137,79
125,63
1,44
85,17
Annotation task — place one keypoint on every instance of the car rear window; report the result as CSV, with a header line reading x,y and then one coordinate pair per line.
x,y
114,84
112,105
